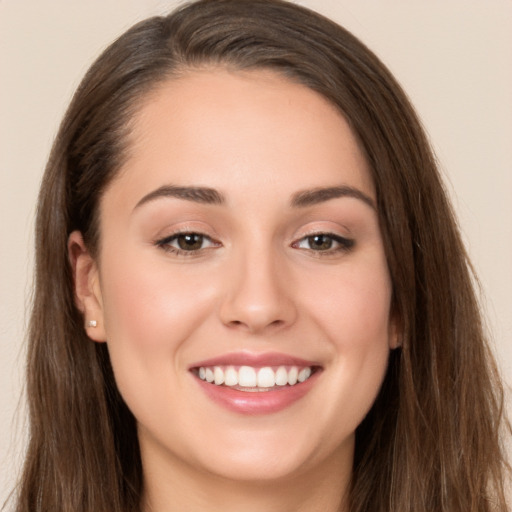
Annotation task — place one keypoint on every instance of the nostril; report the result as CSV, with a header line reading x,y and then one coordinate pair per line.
x,y
254,311
254,326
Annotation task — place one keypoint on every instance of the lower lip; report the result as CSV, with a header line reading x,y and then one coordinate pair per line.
x,y
257,402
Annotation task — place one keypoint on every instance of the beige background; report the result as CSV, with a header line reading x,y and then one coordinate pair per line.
x,y
453,57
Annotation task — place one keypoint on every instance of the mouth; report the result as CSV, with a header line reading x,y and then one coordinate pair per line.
x,y
256,383
255,379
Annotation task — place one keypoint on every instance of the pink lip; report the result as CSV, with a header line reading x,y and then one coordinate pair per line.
x,y
256,402
255,360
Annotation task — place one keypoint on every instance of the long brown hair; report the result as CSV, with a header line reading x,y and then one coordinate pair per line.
x,y
431,442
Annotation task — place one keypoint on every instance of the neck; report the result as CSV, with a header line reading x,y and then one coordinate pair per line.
x,y
181,488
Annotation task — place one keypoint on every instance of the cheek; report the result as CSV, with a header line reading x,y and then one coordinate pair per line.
x,y
354,306
354,315
150,309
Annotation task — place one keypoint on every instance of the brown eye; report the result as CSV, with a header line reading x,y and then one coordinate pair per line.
x,y
190,241
320,242
324,242
186,243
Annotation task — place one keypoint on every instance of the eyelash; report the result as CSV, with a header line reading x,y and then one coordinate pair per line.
x,y
343,244
165,243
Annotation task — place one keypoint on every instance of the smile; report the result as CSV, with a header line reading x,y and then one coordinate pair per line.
x,y
255,384
250,379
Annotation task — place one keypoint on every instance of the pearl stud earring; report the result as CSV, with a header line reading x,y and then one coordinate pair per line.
x,y
92,323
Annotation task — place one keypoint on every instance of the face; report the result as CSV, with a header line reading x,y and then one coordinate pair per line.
x,y
240,243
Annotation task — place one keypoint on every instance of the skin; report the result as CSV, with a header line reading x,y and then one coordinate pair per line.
x,y
257,286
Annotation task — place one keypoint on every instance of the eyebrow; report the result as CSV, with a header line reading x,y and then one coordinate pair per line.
x,y
301,199
315,196
203,195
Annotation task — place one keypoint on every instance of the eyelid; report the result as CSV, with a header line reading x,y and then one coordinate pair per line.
x,y
164,243
175,236
197,227
344,244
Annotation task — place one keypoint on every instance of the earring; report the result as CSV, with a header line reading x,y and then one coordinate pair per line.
x,y
92,323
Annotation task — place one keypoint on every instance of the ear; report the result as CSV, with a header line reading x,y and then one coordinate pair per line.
x,y
87,287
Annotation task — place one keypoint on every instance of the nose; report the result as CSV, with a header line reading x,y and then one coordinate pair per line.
x,y
259,297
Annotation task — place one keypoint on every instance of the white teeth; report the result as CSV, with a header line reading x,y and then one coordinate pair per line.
x,y
292,375
249,377
266,377
304,374
281,376
231,377
218,376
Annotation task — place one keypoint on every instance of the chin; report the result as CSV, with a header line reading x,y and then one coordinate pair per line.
x,y
271,457
262,469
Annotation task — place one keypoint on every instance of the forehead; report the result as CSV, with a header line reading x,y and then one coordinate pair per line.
x,y
220,128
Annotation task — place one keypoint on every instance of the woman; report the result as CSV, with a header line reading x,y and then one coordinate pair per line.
x,y
251,292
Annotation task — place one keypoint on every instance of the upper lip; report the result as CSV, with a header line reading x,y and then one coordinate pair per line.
x,y
255,360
